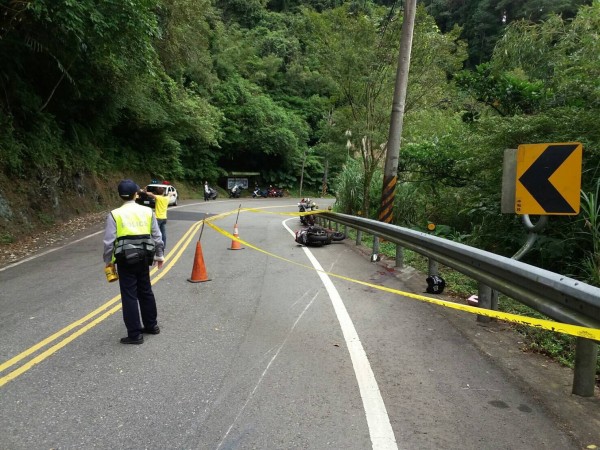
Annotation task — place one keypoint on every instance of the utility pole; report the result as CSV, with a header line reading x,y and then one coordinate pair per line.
x,y
302,173
390,172
324,187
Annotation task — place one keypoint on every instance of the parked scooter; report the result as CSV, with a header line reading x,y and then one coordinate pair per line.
x,y
212,194
235,191
274,192
258,192
209,193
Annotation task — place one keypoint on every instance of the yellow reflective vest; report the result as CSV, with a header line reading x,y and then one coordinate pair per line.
x,y
133,220
134,234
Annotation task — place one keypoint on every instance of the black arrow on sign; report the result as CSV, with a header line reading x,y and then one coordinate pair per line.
x,y
536,178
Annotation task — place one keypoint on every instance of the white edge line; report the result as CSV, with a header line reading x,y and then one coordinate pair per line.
x,y
380,429
48,251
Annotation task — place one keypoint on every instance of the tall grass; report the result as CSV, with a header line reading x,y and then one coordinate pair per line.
x,y
590,208
349,188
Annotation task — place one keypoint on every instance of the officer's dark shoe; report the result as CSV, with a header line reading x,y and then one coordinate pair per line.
x,y
137,341
152,330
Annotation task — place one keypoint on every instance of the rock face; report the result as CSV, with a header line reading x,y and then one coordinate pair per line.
x,y
5,209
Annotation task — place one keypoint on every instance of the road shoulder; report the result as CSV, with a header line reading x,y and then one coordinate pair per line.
x,y
548,383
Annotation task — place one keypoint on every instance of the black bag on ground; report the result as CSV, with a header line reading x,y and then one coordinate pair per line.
x,y
435,284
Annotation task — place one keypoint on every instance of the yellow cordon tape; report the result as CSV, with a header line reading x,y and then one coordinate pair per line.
x,y
293,214
574,330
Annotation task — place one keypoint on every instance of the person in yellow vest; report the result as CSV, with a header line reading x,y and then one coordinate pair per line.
x,y
133,241
161,204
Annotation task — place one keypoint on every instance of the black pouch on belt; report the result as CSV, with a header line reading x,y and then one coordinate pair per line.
x,y
134,255
132,250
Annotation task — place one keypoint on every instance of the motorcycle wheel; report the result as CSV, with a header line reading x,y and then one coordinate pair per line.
x,y
318,239
338,236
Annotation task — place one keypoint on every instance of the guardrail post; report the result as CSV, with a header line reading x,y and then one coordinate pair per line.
x,y
485,301
584,378
358,237
375,254
433,267
399,256
494,302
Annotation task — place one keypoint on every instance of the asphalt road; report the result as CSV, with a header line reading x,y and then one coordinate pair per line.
x,y
268,354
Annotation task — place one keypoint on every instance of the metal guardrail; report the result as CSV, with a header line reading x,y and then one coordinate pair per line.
x,y
559,297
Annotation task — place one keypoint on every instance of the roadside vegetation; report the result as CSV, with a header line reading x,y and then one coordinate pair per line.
x,y
190,90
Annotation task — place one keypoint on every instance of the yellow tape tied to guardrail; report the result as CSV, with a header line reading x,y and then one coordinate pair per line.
x,y
574,330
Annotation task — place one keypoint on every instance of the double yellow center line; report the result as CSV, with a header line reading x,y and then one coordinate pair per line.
x,y
90,320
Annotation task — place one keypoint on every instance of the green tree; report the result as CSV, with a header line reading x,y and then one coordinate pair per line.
x,y
359,53
559,53
184,46
484,21
258,133
244,12
64,66
542,78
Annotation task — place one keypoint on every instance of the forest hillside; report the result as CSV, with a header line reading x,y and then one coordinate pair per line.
x,y
191,90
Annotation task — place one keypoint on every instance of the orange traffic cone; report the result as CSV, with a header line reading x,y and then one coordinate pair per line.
x,y
235,244
199,270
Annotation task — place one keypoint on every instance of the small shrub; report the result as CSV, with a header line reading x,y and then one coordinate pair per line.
x,y
46,219
6,238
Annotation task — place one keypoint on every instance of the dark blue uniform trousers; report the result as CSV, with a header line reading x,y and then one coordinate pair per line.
x,y
134,282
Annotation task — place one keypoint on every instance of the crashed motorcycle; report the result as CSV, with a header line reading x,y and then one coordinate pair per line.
x,y
316,236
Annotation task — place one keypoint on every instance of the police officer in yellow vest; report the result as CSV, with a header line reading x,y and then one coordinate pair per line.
x,y
161,203
133,240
